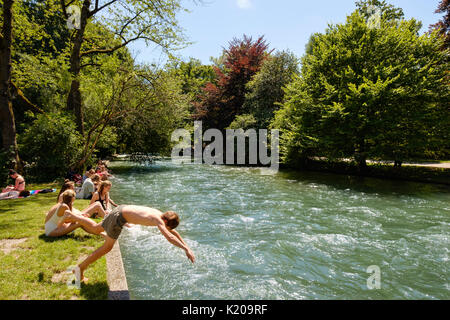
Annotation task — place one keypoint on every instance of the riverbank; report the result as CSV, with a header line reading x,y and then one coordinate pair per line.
x,y
33,266
439,173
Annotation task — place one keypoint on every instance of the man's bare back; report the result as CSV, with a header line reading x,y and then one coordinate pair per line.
x,y
142,215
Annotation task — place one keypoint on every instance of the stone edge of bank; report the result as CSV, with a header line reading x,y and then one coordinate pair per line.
x,y
117,281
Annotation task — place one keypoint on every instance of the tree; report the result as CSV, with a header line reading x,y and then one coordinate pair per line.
x,y
150,20
220,103
9,140
265,89
148,129
193,76
443,26
367,92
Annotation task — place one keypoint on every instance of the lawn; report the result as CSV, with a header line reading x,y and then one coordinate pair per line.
x,y
35,266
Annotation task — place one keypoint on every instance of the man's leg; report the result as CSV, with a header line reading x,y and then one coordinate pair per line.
x,y
97,254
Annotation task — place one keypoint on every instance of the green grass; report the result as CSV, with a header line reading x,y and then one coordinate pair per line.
x,y
36,269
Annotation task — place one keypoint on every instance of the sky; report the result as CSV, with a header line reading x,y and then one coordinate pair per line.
x,y
285,24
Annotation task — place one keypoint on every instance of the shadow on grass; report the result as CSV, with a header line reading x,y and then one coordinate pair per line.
x,y
78,238
95,291
15,204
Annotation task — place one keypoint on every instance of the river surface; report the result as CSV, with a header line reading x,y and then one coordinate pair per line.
x,y
286,236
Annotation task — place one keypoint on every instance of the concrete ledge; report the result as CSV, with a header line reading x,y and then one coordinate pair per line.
x,y
117,281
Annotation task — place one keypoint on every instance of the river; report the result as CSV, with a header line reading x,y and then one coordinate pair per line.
x,y
290,236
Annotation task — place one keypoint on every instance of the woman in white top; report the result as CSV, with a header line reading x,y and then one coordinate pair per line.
x,y
60,220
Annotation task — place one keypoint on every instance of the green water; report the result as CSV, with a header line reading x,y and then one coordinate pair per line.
x,y
284,236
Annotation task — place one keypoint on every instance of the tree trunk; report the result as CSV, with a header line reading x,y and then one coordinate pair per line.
x,y
74,101
397,164
361,156
9,142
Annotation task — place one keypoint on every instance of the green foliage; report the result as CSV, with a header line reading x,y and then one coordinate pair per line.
x,y
148,128
367,92
49,147
265,88
244,121
193,75
107,144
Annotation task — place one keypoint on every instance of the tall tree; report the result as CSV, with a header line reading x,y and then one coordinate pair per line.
x,y
151,20
443,26
266,87
9,142
368,92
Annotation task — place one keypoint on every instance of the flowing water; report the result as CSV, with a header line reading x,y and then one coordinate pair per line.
x,y
285,236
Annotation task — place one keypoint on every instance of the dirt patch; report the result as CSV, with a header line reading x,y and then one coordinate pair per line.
x,y
60,277
89,248
9,245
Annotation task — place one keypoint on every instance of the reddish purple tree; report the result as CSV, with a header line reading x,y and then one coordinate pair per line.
x,y
444,24
220,103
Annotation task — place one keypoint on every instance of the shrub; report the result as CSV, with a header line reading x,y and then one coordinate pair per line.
x,y
49,147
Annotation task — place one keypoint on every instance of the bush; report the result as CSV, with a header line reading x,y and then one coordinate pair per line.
x,y
49,147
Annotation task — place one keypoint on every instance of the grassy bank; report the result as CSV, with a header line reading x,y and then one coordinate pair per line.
x,y
33,266
375,170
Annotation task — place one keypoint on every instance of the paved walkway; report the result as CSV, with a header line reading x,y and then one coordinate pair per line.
x,y
444,165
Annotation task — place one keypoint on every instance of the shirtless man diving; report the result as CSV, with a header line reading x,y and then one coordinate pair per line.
x,y
114,222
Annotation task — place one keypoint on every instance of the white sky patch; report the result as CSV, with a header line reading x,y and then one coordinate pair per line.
x,y
244,4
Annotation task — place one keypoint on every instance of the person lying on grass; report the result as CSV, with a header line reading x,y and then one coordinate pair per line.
x,y
120,216
63,218
14,195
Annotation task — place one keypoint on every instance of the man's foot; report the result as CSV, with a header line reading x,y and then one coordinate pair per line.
x,y
79,277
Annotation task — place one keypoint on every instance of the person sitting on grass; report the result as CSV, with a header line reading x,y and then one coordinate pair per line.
x,y
102,196
120,216
90,211
103,172
68,185
19,182
62,219
88,188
